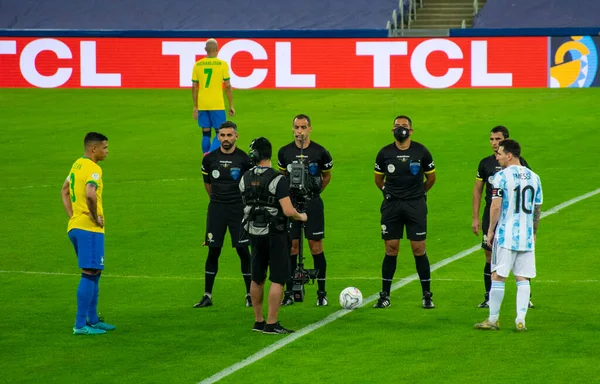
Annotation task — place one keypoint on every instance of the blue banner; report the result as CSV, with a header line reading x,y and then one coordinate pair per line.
x,y
573,62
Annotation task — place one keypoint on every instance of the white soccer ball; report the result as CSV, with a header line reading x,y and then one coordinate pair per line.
x,y
351,298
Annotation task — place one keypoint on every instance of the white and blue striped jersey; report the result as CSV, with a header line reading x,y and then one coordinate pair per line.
x,y
520,190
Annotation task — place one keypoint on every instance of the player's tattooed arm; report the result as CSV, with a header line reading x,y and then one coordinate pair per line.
x,y
92,203
537,214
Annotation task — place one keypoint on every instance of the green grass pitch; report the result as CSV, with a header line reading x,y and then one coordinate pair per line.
x,y
155,208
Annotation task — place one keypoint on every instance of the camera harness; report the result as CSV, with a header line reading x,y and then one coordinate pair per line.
x,y
262,210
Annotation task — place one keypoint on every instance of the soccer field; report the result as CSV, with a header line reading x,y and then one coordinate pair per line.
x,y
155,207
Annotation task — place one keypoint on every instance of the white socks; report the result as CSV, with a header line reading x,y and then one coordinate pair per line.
x,y
496,297
523,293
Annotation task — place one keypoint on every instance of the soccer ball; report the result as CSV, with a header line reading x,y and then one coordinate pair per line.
x,y
351,298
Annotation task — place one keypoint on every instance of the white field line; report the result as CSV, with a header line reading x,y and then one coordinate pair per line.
x,y
347,278
342,312
58,185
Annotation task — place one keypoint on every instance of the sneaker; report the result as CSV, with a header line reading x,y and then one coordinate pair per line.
x,y
383,301
87,330
488,325
520,326
530,304
275,329
205,302
321,299
427,303
259,326
103,326
248,300
288,298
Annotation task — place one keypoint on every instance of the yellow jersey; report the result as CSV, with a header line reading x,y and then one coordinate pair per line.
x,y
209,73
83,172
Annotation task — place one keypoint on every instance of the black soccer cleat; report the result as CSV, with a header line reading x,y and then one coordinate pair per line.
x,y
322,299
205,302
427,303
288,298
383,301
259,326
485,303
248,300
275,329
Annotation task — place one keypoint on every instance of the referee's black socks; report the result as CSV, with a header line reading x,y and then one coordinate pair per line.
x,y
321,265
211,268
388,268
244,255
487,279
424,272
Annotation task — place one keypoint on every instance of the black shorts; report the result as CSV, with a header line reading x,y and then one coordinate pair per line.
x,y
314,228
485,226
220,217
397,214
272,252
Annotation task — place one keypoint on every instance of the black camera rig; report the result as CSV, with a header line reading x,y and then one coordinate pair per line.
x,y
301,185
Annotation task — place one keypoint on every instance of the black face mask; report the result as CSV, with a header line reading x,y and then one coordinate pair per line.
x,y
401,133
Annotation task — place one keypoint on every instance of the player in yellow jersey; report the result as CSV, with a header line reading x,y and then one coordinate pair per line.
x,y
208,77
82,199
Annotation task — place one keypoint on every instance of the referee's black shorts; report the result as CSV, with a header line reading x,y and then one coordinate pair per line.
x,y
223,216
271,252
398,214
314,227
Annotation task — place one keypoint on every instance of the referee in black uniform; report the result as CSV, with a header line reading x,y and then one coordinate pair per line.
x,y
488,166
222,170
404,172
319,164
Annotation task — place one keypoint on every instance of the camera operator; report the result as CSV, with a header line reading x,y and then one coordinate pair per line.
x,y
400,171
318,162
265,193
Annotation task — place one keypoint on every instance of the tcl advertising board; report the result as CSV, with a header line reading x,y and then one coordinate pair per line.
x,y
278,63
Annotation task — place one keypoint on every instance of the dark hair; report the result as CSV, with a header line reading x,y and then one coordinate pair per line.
x,y
501,129
404,117
229,124
511,146
300,117
260,149
93,137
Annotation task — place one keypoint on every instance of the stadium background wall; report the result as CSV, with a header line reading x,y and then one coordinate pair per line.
x,y
300,59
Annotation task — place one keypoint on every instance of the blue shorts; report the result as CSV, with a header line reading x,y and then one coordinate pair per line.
x,y
89,247
211,119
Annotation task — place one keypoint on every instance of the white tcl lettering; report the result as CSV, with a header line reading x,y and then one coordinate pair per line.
x,y
479,68
188,52
381,52
257,51
89,74
284,78
480,77
418,63
30,72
